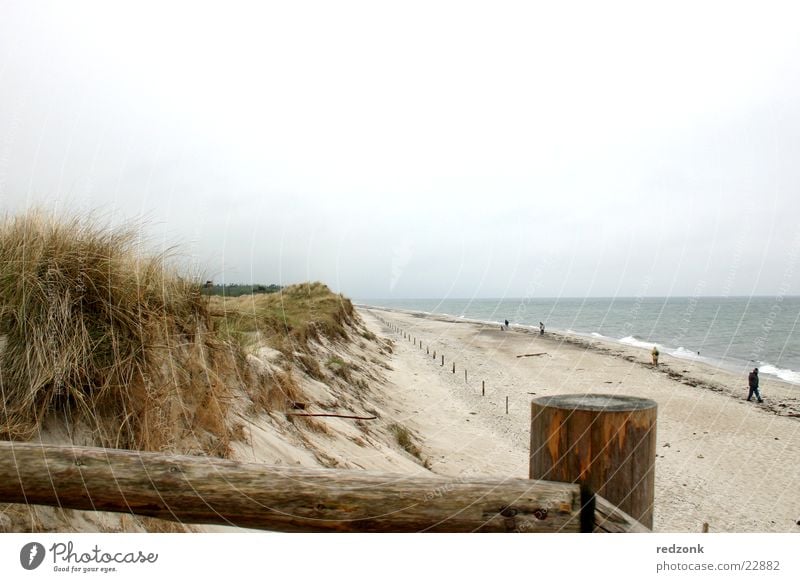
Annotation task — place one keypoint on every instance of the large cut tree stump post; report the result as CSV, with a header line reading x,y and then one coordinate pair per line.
x,y
604,442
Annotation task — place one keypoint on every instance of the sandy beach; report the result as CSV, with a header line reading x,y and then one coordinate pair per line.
x,y
720,459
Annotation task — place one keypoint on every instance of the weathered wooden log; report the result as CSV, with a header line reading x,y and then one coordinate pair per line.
x,y
608,518
210,490
606,443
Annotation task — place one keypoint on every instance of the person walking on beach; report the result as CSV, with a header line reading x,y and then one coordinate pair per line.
x,y
541,328
654,354
752,379
506,324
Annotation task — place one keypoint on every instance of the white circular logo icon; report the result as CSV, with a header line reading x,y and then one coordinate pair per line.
x,y
31,555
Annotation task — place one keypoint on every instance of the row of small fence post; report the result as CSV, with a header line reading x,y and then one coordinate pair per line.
x,y
623,473
411,338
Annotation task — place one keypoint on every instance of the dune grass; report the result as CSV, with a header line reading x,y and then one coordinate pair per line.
x,y
403,437
99,333
288,320
117,340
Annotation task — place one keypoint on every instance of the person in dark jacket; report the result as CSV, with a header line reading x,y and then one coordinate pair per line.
x,y
753,381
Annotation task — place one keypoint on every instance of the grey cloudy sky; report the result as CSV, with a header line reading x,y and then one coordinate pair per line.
x,y
421,149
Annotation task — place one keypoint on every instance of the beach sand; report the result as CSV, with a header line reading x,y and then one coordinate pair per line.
x,y
720,459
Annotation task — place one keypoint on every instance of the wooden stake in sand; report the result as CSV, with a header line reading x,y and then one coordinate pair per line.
x,y
442,360
454,367
465,375
506,404
483,387
606,443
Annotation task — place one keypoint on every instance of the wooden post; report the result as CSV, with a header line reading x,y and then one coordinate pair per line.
x,y
606,443
434,354
454,367
483,387
506,404
465,375
427,350
442,359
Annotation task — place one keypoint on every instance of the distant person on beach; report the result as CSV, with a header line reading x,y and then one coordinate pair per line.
x,y
655,354
541,328
752,379
506,324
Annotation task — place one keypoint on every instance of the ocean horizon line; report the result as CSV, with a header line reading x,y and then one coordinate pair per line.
x,y
634,297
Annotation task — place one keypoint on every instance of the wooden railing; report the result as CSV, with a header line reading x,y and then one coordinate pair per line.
x,y
205,490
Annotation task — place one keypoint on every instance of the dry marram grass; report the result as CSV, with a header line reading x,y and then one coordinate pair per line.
x,y
115,339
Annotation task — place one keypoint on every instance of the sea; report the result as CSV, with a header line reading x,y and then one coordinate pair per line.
x,y
733,333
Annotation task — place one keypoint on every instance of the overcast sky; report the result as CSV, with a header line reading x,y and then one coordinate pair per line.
x,y
422,149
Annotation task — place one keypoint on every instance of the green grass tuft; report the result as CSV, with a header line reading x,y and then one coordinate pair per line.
x,y
405,440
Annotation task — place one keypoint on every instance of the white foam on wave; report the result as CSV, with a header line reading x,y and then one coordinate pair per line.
x,y
682,352
634,341
783,373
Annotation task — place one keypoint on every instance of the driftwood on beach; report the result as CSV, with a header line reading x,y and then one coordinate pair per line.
x,y
208,490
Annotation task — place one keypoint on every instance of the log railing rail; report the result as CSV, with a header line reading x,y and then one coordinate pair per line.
x,y
208,490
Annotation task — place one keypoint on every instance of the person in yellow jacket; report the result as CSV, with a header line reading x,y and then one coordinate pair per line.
x,y
654,353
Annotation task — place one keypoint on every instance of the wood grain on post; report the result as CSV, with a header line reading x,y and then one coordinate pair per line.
x,y
210,490
606,443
